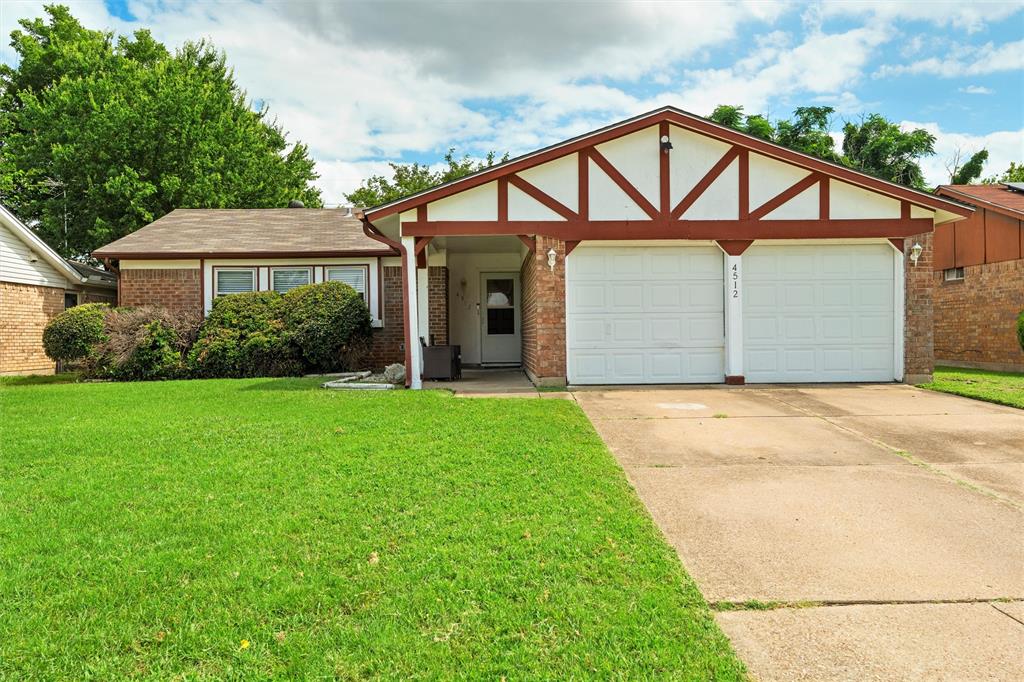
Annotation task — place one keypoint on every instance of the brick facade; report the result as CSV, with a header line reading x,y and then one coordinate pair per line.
x,y
437,304
25,310
543,311
918,350
976,317
389,340
179,290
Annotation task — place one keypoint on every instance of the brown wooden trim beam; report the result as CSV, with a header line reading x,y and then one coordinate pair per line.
x,y
734,247
784,196
619,179
530,242
571,245
705,182
540,196
679,229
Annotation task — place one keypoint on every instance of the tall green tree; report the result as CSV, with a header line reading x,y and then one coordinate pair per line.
x,y
410,178
1015,173
971,169
807,131
99,136
880,147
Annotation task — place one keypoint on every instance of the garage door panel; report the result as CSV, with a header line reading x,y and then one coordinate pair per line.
x,y
830,318
662,320
668,296
797,295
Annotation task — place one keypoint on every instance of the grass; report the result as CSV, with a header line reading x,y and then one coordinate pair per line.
x,y
39,379
1004,388
264,528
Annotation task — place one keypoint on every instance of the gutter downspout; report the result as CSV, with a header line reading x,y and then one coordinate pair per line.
x,y
371,231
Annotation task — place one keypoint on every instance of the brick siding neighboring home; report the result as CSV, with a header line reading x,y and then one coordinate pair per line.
x,y
979,279
189,257
36,284
668,249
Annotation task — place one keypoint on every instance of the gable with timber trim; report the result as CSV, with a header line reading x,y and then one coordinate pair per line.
x,y
626,186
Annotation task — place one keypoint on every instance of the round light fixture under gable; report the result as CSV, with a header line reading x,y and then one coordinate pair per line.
x,y
666,143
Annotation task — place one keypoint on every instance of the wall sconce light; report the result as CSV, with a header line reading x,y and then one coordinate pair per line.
x,y
915,252
552,258
666,143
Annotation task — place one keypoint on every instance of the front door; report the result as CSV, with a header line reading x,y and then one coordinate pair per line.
x,y
500,339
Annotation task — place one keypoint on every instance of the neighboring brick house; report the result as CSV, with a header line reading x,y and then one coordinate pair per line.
x,y
36,284
979,279
187,258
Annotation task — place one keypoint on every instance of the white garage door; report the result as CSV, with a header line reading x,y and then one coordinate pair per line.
x,y
644,315
818,313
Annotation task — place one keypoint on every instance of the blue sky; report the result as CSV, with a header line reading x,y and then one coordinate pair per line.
x,y
367,83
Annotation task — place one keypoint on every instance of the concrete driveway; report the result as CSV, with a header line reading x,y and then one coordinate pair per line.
x,y
886,520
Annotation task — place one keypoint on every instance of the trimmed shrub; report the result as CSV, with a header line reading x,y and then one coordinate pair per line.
x,y
243,336
1020,329
75,333
146,343
329,323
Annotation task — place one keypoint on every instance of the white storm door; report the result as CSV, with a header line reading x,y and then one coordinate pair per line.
x,y
500,324
818,313
645,314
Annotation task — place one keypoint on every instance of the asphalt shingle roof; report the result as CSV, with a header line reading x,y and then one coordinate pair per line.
x,y
267,232
997,195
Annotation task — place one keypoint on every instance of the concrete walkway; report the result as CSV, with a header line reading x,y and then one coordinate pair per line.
x,y
882,524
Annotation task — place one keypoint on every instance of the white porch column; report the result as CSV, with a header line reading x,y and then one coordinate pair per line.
x,y
423,303
733,318
413,336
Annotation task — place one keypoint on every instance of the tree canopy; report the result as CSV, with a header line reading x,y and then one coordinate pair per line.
x,y
102,135
410,178
873,145
970,170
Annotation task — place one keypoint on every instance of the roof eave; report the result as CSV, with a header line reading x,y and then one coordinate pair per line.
x,y
999,208
32,240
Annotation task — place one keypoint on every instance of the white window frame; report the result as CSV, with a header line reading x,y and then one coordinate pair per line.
x,y
220,269
953,275
354,266
273,270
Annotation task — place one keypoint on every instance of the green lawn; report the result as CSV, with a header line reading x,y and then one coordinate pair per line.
x,y
1005,388
256,528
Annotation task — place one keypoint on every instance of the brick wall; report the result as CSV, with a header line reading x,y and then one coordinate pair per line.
x,y
389,341
25,310
918,352
178,290
543,311
437,304
976,318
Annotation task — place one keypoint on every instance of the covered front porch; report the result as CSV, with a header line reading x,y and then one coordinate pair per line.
x,y
480,293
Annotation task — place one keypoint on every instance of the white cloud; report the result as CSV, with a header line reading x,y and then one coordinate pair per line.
x,y
823,64
1003,147
362,83
968,16
976,90
963,60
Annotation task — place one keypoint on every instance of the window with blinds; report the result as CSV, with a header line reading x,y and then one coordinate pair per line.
x,y
235,281
286,279
354,276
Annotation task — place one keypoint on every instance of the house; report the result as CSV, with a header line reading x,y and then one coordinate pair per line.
x,y
36,284
661,249
189,257
979,279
